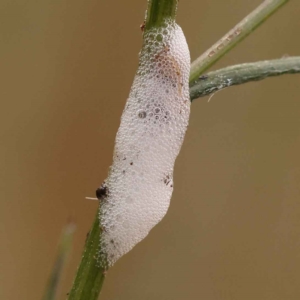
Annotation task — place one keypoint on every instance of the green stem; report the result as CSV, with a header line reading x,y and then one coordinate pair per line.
x,y
233,37
239,74
64,248
158,11
90,275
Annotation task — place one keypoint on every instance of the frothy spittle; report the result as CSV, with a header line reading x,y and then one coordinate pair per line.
x,y
136,195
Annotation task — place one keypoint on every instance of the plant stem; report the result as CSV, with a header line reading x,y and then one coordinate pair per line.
x,y
159,11
90,275
233,37
239,74
64,248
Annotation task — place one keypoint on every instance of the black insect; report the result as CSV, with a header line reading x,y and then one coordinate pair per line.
x,y
102,192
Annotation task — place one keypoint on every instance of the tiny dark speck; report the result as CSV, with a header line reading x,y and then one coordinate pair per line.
x,y
131,163
203,77
87,236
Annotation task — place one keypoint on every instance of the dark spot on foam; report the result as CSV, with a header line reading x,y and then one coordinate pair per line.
x,y
167,180
102,192
142,114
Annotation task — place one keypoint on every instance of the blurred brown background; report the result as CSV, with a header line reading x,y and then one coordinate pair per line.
x,y
233,228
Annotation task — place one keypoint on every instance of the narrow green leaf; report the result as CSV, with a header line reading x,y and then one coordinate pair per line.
x,y
64,248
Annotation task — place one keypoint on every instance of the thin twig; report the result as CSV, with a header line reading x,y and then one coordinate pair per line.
x,y
233,37
239,74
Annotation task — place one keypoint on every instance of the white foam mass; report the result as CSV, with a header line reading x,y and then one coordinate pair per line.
x,y
137,192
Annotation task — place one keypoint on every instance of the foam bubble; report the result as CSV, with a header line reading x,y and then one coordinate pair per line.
x,y
148,141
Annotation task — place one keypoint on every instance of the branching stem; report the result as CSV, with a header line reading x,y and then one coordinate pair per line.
x,y
90,276
233,37
239,74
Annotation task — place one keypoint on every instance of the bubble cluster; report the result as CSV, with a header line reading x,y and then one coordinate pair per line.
x,y
139,186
